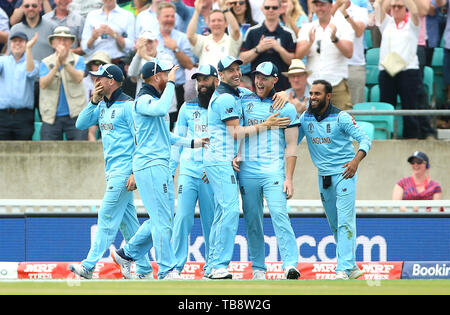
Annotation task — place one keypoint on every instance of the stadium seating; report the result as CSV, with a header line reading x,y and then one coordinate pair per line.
x,y
372,75
428,80
437,64
37,131
368,127
384,124
373,56
368,39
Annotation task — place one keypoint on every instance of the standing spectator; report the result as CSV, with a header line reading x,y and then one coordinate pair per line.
x,y
217,45
418,186
358,18
257,14
63,16
446,69
298,79
110,29
62,93
400,33
147,20
137,6
269,41
186,13
19,12
83,7
327,43
33,23
175,44
18,72
8,6
292,15
435,23
4,29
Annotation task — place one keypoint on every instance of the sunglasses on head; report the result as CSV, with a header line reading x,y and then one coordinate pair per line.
x,y
273,7
34,6
109,75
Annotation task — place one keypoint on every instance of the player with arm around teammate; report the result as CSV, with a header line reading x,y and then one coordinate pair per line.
x,y
263,173
110,108
329,133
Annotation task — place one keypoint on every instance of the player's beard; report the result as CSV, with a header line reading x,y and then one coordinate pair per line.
x,y
320,106
205,97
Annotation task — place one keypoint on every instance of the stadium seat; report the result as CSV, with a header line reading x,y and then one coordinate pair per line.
x,y
372,72
428,80
366,93
374,93
37,116
37,131
368,127
368,39
373,56
438,57
437,64
384,124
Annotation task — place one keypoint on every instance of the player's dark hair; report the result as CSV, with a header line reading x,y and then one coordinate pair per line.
x,y
327,85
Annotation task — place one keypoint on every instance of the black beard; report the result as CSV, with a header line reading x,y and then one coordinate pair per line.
x,y
316,110
205,97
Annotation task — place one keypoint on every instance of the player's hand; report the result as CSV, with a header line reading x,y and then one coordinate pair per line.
x,y
201,143
131,183
205,178
172,71
288,188
350,169
237,163
97,93
274,121
279,99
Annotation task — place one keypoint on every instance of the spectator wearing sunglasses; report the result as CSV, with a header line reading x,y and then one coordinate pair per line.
x,y
327,44
418,186
270,41
45,6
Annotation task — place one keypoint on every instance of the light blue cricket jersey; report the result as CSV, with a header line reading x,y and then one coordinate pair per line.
x,y
151,126
263,154
330,139
116,126
225,104
192,123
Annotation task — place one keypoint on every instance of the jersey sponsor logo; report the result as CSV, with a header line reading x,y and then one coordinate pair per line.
x,y
229,110
320,140
106,127
251,122
311,127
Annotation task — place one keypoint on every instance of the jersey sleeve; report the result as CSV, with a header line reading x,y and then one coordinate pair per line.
x,y
225,106
348,124
290,111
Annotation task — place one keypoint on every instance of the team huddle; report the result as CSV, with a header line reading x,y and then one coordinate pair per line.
x,y
228,143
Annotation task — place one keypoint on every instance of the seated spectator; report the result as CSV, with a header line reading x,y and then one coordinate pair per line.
x,y
83,7
110,29
45,6
18,71
62,93
418,186
298,79
210,49
327,43
62,15
293,15
8,6
147,20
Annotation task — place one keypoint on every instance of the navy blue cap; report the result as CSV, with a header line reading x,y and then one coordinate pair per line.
x,y
155,66
206,70
421,156
18,34
227,61
109,71
267,68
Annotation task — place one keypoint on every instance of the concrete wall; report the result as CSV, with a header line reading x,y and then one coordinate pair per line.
x,y
75,170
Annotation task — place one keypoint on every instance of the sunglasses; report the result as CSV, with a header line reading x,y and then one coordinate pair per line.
x,y
273,7
97,63
109,75
397,6
418,162
34,6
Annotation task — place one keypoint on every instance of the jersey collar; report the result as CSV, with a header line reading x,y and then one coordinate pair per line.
x,y
226,88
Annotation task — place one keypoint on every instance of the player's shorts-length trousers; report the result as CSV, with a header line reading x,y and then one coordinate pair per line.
x,y
117,211
155,188
339,204
253,192
222,179
191,190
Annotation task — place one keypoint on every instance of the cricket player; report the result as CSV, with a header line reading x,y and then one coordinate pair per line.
x,y
329,133
225,129
192,123
111,109
261,173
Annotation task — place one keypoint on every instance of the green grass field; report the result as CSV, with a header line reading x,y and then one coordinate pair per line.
x,y
226,287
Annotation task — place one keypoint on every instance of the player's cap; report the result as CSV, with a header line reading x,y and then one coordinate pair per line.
x,y
421,156
227,61
155,66
267,69
205,70
18,34
147,34
109,71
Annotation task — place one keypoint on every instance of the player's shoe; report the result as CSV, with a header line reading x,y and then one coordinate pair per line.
x,y
341,275
140,276
221,273
291,273
355,273
124,264
172,275
259,275
81,271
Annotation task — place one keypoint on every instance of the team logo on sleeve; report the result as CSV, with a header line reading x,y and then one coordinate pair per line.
x,y
229,110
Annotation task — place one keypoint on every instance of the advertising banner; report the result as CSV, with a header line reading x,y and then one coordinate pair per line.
x,y
426,270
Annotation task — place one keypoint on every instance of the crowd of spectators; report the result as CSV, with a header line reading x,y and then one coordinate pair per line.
x,y
48,47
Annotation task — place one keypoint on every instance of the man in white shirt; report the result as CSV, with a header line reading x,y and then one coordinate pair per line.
x,y
110,29
210,49
327,43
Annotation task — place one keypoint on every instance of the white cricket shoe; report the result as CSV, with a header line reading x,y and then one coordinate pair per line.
x,y
259,275
341,275
81,271
140,276
172,275
221,273
291,273
124,264
355,273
